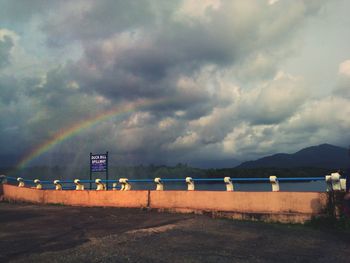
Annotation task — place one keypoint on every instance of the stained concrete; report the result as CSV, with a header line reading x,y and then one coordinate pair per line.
x,y
44,233
291,207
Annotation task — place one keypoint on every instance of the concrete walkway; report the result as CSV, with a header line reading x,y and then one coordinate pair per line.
x,y
32,233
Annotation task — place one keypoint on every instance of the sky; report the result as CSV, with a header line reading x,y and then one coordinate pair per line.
x,y
203,82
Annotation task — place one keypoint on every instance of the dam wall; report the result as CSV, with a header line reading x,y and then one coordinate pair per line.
x,y
266,206
76,198
1,191
291,207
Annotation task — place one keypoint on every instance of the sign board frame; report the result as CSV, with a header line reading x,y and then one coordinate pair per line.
x,y
99,163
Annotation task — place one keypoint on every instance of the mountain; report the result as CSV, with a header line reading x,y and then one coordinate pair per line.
x,y
321,156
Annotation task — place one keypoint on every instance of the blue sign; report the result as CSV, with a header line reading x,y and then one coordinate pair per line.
x,y
98,162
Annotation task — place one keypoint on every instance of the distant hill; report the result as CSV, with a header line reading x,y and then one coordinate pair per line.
x,y
321,156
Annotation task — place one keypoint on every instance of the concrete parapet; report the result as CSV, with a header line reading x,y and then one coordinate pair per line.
x,y
38,184
305,203
125,185
1,192
335,183
20,182
77,198
190,183
100,186
229,185
159,183
278,206
275,184
58,185
78,186
335,177
343,184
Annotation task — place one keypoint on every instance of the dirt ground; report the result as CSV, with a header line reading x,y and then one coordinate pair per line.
x,y
37,233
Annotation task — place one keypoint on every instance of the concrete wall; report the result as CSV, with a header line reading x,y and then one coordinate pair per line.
x,y
254,202
78,198
1,191
267,206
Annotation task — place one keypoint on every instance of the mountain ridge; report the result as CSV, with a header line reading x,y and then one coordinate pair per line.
x,y
320,156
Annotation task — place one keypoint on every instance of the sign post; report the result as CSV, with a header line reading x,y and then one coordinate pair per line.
x,y
99,163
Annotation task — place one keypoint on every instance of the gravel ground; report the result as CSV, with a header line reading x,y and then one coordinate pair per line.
x,y
38,233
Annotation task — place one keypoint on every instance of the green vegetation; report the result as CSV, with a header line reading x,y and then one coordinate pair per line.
x,y
334,216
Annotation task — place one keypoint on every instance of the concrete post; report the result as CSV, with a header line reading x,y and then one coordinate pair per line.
x,y
335,178
274,183
58,185
190,184
125,184
160,185
229,185
20,182
39,186
78,186
99,185
343,184
3,179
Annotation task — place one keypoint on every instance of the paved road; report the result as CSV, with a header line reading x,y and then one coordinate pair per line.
x,y
31,233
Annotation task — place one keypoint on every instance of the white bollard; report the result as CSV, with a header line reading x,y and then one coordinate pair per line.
x,y
39,186
125,184
335,178
274,183
190,184
229,185
328,180
99,185
160,185
20,182
3,179
58,185
114,186
343,184
78,186
122,186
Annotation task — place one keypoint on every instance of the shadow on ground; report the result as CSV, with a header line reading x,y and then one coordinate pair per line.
x,y
31,233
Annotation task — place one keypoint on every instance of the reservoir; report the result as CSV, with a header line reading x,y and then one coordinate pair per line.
x,y
313,186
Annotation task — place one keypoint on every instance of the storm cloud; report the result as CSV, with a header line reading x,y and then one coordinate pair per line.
x,y
221,72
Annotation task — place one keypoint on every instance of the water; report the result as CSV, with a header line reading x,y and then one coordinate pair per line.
x,y
313,186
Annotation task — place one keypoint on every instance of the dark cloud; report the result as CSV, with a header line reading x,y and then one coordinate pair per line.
x,y
6,45
18,12
94,20
214,66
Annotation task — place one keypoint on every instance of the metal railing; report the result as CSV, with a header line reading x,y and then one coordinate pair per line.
x,y
333,182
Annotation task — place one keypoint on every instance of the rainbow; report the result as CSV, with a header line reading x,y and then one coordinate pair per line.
x,y
77,128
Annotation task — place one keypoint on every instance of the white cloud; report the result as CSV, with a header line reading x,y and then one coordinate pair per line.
x,y
219,65
272,2
184,142
344,68
273,101
196,10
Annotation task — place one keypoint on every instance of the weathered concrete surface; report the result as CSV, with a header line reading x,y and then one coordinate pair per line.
x,y
78,198
33,233
1,191
295,207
